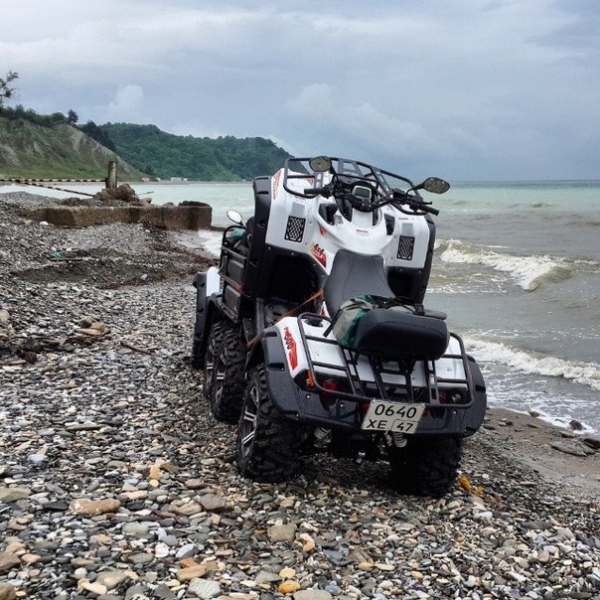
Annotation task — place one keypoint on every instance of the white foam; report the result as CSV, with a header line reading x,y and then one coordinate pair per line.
x,y
211,241
549,366
528,271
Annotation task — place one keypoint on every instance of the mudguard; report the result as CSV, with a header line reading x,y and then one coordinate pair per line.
x,y
476,415
207,310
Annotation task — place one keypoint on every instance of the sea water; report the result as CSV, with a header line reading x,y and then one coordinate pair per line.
x,y
517,269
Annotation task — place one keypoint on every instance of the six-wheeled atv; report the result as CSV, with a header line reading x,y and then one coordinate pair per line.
x,y
313,335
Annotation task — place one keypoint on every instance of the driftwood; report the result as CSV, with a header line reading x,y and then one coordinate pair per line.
x,y
129,345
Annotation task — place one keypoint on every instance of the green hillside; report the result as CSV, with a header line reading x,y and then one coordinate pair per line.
x,y
31,150
165,155
51,146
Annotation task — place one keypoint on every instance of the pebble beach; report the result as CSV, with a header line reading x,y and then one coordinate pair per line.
x,y
117,483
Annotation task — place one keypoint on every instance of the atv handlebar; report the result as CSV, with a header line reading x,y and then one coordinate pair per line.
x,y
398,198
430,209
417,205
318,191
359,186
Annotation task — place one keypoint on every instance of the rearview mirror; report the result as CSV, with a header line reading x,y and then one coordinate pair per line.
x,y
235,216
320,164
435,185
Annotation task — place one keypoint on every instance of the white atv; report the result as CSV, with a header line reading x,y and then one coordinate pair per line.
x,y
313,336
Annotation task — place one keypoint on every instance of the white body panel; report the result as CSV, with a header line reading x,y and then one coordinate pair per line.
x,y
323,351
213,281
367,233
363,235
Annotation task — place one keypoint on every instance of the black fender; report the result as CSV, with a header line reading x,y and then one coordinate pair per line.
x,y
268,348
207,312
456,421
476,413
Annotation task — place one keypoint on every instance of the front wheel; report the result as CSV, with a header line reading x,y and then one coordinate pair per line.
x,y
426,466
268,444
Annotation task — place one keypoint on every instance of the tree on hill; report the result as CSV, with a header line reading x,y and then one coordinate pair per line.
x,y
20,113
91,129
6,91
166,155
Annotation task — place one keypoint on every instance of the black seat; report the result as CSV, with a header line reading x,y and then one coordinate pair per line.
x,y
395,333
401,335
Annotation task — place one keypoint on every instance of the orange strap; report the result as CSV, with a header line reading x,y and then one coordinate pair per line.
x,y
289,313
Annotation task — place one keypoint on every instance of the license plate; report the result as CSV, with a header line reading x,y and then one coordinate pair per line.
x,y
400,417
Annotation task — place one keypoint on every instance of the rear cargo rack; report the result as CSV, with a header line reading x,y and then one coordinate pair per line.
x,y
383,371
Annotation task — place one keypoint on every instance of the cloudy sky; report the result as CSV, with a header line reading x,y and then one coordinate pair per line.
x,y
465,89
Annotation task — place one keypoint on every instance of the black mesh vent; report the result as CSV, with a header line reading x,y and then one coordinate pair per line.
x,y
406,247
294,230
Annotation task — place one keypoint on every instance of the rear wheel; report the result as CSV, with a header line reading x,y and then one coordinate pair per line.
x,y
196,350
227,386
426,466
213,349
196,358
268,444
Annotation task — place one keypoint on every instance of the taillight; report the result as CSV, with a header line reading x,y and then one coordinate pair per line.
x,y
329,397
331,385
451,397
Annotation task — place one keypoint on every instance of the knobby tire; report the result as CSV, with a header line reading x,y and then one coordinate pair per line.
x,y
268,444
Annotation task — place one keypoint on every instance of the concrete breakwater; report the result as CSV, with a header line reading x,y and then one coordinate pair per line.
x,y
183,216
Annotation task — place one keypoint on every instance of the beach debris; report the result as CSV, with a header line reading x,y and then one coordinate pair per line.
x,y
135,348
123,192
96,329
465,484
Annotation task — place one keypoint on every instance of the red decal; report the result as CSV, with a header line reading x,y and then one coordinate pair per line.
x,y
322,230
290,343
319,254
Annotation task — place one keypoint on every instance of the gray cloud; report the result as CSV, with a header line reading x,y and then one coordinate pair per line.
x,y
470,89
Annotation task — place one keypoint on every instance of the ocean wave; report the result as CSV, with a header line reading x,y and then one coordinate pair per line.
x,y
528,271
587,374
211,241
